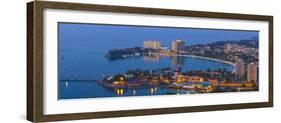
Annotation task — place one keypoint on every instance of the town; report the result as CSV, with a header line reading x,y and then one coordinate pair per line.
x,y
242,55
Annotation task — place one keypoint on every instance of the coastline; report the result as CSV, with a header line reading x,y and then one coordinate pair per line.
x,y
212,59
202,57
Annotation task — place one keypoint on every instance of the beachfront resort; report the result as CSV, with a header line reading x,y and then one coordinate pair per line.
x,y
241,55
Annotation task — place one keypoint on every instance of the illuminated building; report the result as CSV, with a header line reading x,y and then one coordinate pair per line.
x,y
194,79
227,48
178,46
119,80
252,72
180,79
239,68
152,44
213,81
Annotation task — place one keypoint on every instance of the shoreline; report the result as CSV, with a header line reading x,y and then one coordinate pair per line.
x,y
202,57
212,59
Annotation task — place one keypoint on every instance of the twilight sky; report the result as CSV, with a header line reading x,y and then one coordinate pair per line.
x,y
104,37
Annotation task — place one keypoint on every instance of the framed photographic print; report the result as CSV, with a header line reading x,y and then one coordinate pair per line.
x,y
95,61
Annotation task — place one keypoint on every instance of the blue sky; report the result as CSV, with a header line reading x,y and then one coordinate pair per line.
x,y
105,37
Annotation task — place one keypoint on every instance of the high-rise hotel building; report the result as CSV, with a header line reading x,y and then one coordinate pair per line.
x,y
178,46
252,72
239,68
152,44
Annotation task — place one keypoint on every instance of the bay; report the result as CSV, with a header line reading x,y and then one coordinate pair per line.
x,y
78,70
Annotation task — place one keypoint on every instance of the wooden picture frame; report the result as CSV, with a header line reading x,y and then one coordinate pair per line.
x,y
35,60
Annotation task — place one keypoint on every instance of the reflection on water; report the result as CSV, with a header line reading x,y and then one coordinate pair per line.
x,y
178,60
119,91
66,84
76,89
153,91
79,79
94,66
134,92
151,57
155,57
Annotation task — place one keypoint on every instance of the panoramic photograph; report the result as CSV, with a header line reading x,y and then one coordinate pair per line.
x,y
103,60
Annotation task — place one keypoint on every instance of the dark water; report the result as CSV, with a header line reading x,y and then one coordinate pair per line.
x,y
91,89
84,65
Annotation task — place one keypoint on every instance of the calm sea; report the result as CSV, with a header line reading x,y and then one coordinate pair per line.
x,y
80,66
